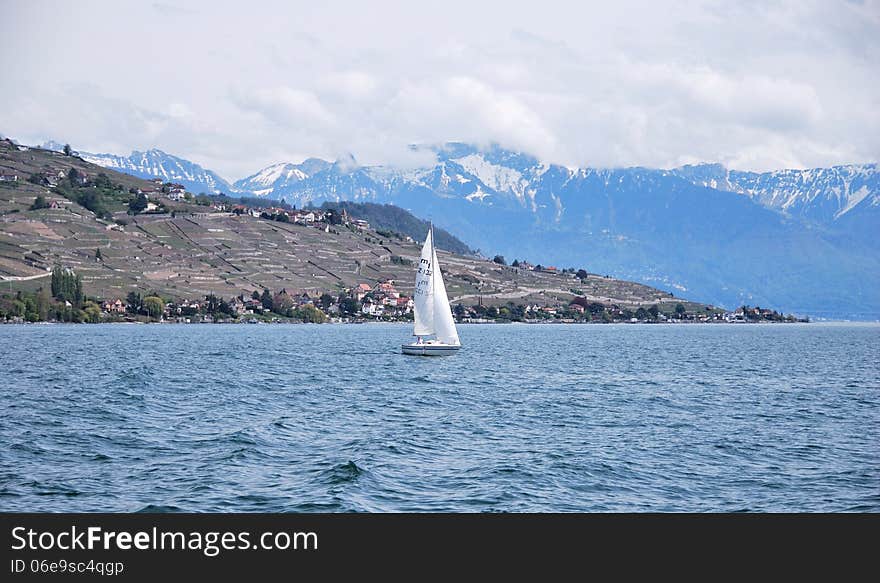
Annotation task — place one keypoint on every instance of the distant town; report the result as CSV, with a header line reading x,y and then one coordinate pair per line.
x,y
366,302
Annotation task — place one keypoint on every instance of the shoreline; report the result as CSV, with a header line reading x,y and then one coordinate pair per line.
x,y
403,323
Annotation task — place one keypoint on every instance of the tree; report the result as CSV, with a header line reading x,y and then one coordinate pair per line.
x,y
42,304
326,300
311,314
499,259
596,307
515,263
654,311
67,150
134,302
39,203
137,204
642,313
73,175
92,200
154,306
66,285
348,306
103,181
679,310
98,256
582,274
334,217
266,299
282,303
255,295
92,312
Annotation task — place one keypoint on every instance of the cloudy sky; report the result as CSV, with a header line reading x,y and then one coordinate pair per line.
x,y
236,86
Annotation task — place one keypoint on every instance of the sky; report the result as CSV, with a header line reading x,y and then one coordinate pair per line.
x,y
236,86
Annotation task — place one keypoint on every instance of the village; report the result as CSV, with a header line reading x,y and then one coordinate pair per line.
x,y
382,302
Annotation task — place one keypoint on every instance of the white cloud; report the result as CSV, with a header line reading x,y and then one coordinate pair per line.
x,y
634,83
290,106
355,85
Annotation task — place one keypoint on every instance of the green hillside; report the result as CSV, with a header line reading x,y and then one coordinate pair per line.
x,y
393,218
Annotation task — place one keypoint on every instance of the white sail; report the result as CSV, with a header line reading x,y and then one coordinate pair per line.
x,y
423,296
444,325
432,312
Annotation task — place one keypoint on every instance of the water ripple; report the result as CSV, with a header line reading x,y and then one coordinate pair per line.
x,y
525,418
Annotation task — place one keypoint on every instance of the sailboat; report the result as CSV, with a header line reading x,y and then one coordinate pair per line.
x,y
433,316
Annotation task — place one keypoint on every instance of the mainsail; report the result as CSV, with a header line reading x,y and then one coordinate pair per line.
x,y
423,296
432,312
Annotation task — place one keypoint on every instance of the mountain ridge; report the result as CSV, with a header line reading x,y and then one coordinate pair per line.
x,y
802,239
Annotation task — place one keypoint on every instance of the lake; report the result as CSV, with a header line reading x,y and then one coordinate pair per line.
x,y
567,418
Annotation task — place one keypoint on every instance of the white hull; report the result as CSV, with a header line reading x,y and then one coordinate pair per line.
x,y
430,349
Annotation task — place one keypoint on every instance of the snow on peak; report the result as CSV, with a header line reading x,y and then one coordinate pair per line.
x,y
478,194
496,177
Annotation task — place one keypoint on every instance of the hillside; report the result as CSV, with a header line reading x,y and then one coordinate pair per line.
x,y
198,252
392,218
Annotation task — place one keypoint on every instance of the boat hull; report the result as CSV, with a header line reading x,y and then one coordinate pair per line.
x,y
430,349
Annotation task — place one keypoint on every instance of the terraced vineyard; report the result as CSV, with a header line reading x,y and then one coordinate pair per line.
x,y
198,252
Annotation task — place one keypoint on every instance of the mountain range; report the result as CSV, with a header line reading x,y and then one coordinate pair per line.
x,y
803,240
156,164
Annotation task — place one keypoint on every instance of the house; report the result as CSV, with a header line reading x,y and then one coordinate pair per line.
x,y
372,309
576,308
360,291
305,299
176,191
304,217
386,288
114,307
8,176
238,306
51,177
151,207
551,269
361,224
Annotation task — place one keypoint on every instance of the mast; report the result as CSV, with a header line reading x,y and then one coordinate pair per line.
x,y
433,270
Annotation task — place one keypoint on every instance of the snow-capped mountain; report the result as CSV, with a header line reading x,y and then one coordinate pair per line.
x,y
279,180
819,194
801,240
158,164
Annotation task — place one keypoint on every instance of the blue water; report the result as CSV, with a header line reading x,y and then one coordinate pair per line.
x,y
284,418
